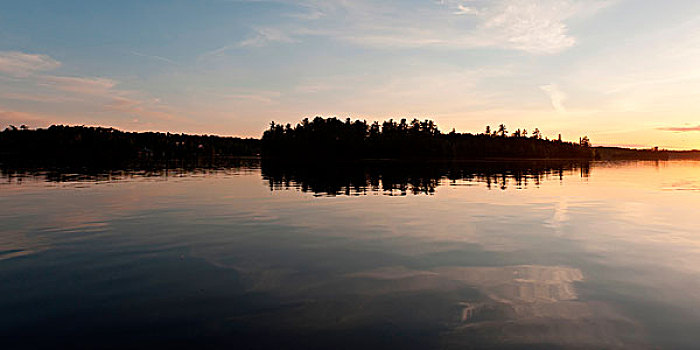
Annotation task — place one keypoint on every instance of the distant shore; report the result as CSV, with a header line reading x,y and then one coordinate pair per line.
x,y
320,140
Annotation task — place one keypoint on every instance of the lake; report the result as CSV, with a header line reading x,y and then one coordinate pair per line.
x,y
380,255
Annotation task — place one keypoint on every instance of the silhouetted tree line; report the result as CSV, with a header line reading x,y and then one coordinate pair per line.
x,y
332,138
687,155
320,138
405,177
95,146
620,153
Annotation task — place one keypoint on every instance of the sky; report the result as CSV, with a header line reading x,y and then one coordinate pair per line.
x,y
622,72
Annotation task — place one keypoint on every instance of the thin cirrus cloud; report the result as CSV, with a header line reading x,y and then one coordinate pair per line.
x,y
81,85
681,128
22,64
264,36
261,37
533,26
77,92
262,97
26,65
154,57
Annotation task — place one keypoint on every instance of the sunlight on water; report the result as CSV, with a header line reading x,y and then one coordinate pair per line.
x,y
600,255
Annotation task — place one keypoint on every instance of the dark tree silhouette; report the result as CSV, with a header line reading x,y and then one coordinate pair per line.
x,y
585,142
96,146
309,140
331,138
502,131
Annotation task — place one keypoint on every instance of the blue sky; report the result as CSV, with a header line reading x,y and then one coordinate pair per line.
x,y
622,72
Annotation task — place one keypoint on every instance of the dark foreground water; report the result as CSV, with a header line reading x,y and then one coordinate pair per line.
x,y
472,255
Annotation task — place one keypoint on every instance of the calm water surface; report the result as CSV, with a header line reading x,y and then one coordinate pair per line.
x,y
486,255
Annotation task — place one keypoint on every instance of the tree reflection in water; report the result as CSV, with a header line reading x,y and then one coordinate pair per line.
x,y
402,178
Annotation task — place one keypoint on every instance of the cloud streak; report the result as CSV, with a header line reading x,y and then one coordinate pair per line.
x,y
84,93
154,57
533,26
264,36
22,64
81,85
680,128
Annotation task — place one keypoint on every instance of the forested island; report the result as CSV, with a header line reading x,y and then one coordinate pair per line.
x,y
318,139
333,138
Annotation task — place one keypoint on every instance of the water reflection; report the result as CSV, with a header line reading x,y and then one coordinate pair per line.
x,y
17,175
402,178
333,179
589,256
525,305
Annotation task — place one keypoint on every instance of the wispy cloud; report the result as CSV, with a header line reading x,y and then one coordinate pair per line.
x,y
264,36
154,57
78,92
556,96
261,37
81,85
22,64
258,97
465,10
533,26
681,128
308,13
